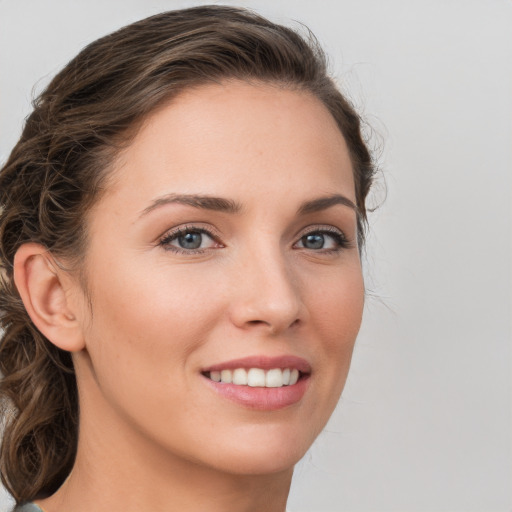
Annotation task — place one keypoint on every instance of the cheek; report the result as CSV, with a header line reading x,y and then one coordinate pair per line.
x,y
141,335
336,313
337,306
150,319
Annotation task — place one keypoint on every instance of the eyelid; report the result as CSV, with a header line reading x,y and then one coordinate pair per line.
x,y
202,227
323,228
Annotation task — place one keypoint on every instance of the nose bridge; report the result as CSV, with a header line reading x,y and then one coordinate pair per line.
x,y
269,292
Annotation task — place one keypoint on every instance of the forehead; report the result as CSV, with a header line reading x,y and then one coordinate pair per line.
x,y
223,138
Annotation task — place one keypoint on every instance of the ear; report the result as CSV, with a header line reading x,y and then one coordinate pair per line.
x,y
45,290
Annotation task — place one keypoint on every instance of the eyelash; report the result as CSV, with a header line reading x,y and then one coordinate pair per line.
x,y
342,242
169,237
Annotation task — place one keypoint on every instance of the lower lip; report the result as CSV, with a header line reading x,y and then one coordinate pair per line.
x,y
262,399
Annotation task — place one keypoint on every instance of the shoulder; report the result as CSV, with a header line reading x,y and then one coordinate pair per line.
x,y
28,507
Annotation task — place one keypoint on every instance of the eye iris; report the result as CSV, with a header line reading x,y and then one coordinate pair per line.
x,y
190,240
313,241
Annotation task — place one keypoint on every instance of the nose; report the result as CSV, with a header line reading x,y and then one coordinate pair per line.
x,y
268,294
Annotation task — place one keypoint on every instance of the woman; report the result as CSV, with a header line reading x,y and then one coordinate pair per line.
x,y
181,229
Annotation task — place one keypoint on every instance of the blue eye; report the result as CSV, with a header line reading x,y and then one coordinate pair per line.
x,y
188,240
313,241
327,240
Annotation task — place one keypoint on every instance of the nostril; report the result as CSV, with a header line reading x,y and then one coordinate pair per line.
x,y
270,325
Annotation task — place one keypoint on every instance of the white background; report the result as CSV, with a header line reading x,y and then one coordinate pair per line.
x,y
425,420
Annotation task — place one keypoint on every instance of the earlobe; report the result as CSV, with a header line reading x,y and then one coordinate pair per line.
x,y
42,286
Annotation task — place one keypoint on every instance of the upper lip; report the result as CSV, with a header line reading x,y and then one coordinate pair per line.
x,y
263,362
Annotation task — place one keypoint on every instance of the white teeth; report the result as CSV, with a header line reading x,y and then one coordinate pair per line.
x,y
274,378
240,377
256,377
226,376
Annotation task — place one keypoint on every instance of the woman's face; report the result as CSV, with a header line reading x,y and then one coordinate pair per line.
x,y
226,241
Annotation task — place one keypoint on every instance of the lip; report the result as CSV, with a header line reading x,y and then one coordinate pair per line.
x,y
260,398
263,362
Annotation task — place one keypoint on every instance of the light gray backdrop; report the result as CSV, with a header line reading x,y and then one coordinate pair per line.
x,y
425,420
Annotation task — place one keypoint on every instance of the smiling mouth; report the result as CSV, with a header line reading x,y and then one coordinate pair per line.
x,y
260,382
256,377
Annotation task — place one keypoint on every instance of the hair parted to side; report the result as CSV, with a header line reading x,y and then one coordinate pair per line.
x,y
59,168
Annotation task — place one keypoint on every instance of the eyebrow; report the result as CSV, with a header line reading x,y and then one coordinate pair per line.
x,y
218,204
323,203
221,204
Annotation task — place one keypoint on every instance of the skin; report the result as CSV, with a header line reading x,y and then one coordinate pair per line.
x,y
153,434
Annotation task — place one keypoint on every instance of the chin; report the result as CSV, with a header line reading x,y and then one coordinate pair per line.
x,y
262,464
263,454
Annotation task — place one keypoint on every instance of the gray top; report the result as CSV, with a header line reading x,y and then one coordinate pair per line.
x,y
28,507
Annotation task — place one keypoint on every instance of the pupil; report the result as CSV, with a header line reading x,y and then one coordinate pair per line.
x,y
190,241
313,241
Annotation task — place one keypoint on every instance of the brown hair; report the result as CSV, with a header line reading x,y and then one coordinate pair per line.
x,y
58,169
